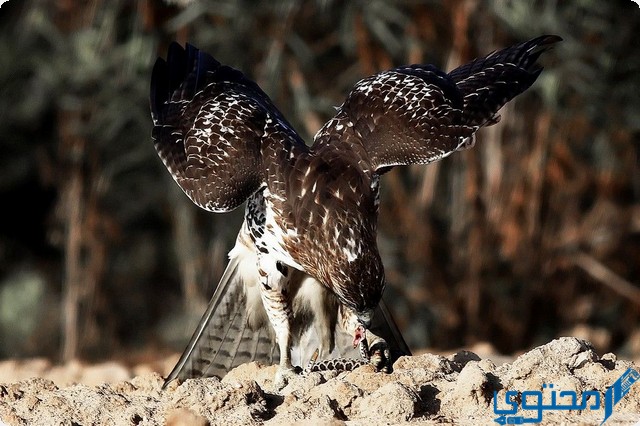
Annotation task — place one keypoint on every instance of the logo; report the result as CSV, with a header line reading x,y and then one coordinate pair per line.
x,y
563,400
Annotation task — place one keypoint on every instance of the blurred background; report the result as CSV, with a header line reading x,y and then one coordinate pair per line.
x,y
533,234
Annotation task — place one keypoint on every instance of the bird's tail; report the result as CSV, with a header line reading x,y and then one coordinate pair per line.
x,y
490,82
224,338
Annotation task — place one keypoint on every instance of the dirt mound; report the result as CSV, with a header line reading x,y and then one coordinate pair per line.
x,y
427,388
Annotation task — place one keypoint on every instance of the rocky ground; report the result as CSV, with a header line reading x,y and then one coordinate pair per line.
x,y
427,389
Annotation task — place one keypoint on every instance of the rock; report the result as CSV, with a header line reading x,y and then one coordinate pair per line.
x,y
342,392
252,371
427,388
296,410
185,417
559,357
471,394
428,362
393,402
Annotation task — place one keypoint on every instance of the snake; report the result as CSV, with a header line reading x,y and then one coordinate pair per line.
x,y
339,364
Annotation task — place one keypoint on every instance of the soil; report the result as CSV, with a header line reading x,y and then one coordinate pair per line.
x,y
426,389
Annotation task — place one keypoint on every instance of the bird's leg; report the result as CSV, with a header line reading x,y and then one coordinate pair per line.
x,y
274,294
379,354
378,350
321,303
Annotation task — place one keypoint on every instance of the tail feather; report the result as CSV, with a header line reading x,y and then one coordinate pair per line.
x,y
223,339
199,358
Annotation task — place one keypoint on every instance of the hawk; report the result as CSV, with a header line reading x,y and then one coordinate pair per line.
x,y
306,261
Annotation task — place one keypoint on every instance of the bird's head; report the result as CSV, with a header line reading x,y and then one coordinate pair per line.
x,y
358,283
362,304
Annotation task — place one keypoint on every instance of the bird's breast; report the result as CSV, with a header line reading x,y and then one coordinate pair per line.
x,y
271,233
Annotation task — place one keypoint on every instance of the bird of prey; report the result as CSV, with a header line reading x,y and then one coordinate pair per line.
x,y
305,270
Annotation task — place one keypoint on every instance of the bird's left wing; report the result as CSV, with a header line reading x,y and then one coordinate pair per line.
x,y
418,114
408,115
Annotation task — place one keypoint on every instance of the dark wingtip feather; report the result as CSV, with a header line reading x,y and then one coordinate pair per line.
x,y
165,78
177,65
523,55
532,50
159,91
185,72
490,82
549,39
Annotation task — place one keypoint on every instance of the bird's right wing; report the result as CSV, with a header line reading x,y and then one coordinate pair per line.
x,y
212,127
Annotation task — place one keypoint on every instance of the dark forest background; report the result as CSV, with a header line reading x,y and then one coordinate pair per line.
x,y
532,234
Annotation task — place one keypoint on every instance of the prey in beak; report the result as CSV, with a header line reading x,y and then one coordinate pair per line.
x,y
359,335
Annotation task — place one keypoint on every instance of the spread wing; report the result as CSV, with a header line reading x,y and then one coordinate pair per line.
x,y
211,125
418,114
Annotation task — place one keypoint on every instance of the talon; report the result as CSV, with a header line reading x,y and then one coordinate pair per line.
x,y
283,377
380,356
